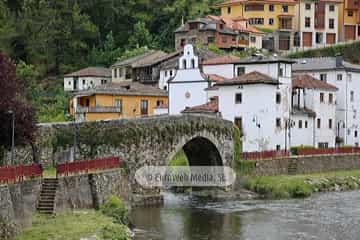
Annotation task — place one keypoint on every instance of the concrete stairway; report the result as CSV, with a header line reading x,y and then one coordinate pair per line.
x,y
46,204
292,166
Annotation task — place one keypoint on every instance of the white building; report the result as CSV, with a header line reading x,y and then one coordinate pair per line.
x,y
187,87
86,78
346,77
313,112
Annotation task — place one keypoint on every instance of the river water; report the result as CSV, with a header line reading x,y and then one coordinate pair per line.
x,y
324,216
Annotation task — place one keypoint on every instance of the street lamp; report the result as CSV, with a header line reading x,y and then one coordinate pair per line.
x,y
12,113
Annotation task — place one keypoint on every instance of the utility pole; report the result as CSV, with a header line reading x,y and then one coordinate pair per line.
x,y
12,136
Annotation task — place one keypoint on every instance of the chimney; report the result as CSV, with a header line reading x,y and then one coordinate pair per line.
x,y
339,60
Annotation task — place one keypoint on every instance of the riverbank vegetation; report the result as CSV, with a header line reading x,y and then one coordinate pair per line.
x,y
301,186
106,224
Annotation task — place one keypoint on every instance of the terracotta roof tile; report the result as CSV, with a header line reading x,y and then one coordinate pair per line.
x,y
210,107
91,72
235,2
249,78
214,77
307,81
227,59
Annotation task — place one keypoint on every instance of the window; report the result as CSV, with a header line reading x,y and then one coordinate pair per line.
x,y
331,98
331,23
300,123
278,147
224,39
229,10
166,73
118,104
330,123
211,39
323,77
144,106
253,39
321,97
193,26
192,63
318,123
319,38
87,102
238,122
256,21
307,22
278,98
271,21
281,71
171,73
254,7
183,42
159,103
103,81
165,88
83,81
350,13
120,72
233,38
69,83
115,73
278,122
356,133
271,8
306,124
308,6
339,77
240,71
331,8
238,98
285,8
323,145
352,97
184,64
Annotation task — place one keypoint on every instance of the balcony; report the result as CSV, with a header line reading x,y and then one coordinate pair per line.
x,y
243,42
285,22
98,109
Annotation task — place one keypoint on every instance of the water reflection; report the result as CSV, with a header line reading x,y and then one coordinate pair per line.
x,y
327,216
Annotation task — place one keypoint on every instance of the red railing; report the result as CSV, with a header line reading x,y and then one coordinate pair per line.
x,y
12,174
87,165
323,151
264,155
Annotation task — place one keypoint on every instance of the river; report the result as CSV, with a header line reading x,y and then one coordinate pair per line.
x,y
324,216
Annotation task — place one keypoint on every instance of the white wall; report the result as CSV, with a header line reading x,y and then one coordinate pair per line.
x,y
83,83
305,135
259,107
225,70
165,76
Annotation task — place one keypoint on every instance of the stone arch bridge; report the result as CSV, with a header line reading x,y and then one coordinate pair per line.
x,y
207,141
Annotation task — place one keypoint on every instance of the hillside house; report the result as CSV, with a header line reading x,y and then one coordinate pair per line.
x,y
86,78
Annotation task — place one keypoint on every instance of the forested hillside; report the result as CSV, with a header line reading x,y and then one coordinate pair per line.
x,y
61,36
47,38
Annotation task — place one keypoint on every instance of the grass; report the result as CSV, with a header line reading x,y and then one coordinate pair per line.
x,y
49,172
292,186
179,159
69,226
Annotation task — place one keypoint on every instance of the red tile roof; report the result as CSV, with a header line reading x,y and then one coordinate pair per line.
x,y
210,107
227,59
214,77
236,23
91,72
307,81
249,78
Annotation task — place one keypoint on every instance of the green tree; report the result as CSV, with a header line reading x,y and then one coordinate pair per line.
x,y
141,37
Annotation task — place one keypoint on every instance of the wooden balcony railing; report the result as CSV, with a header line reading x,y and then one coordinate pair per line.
x,y
98,109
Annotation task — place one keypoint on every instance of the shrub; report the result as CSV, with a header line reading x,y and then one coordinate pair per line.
x,y
245,166
115,232
114,207
300,190
7,230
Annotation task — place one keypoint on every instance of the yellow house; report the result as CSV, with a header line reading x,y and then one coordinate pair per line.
x,y
117,100
268,14
349,16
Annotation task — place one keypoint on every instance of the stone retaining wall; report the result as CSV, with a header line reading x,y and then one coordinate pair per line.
x,y
307,164
18,201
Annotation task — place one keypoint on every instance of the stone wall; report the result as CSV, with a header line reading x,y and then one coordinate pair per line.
x,y
91,190
307,164
18,201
